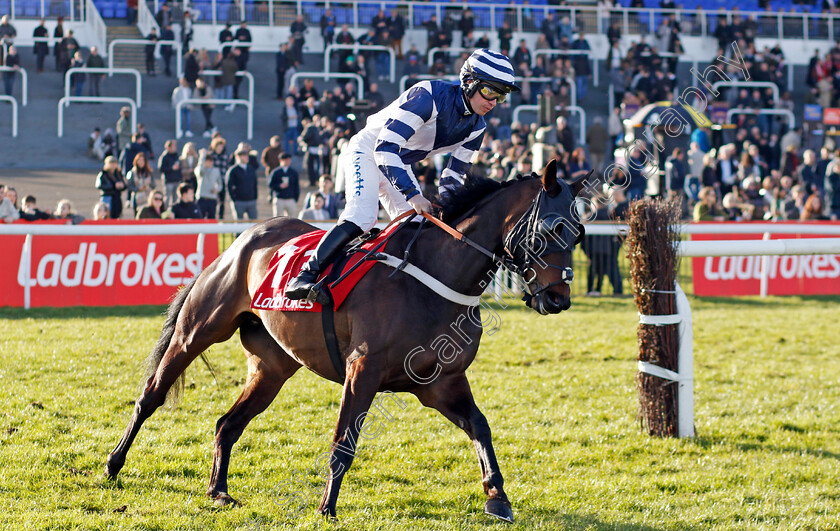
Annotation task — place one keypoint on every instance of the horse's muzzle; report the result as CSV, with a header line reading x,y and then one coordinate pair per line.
x,y
549,302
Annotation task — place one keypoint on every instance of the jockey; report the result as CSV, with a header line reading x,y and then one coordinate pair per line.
x,y
429,118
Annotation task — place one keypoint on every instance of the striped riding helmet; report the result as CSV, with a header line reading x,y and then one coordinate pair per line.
x,y
490,67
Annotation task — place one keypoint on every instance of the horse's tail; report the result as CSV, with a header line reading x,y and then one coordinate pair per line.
x,y
154,359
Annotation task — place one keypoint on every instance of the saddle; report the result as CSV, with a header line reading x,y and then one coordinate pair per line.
x,y
341,276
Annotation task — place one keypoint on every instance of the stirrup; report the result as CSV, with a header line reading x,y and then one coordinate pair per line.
x,y
317,294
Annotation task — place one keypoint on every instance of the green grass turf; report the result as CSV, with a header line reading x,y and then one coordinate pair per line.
x,y
558,392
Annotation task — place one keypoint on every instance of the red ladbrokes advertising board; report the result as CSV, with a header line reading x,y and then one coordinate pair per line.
x,y
787,275
102,270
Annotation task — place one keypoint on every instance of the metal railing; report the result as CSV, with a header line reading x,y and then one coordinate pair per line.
x,y
145,18
214,101
527,18
66,100
773,112
749,84
24,84
95,23
392,55
47,9
110,71
430,55
175,44
235,44
14,103
360,82
241,73
571,108
555,51
424,77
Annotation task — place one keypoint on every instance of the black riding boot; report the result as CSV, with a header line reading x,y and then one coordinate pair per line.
x,y
331,244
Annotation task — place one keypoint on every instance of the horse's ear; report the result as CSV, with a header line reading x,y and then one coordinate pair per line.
x,y
580,183
549,179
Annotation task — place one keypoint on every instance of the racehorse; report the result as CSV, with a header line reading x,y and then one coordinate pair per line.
x,y
527,224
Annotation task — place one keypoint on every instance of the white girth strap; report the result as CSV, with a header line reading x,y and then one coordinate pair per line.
x,y
430,282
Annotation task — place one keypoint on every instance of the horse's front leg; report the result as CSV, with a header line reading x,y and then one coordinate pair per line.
x,y
451,395
360,386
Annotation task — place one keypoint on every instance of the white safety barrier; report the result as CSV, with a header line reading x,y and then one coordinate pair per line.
x,y
138,84
749,84
66,100
430,55
24,82
196,101
542,79
612,229
360,82
423,77
175,44
14,103
773,112
760,247
241,73
356,47
555,51
571,108
684,377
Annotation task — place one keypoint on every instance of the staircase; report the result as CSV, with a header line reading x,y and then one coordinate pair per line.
x,y
127,55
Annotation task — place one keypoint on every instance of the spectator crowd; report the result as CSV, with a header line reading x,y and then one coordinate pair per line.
x,y
758,169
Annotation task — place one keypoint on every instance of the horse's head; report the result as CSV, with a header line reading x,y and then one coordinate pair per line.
x,y
539,246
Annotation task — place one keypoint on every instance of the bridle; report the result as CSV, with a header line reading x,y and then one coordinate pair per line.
x,y
533,237
519,244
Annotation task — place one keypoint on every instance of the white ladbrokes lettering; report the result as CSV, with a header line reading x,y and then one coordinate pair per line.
x,y
88,268
786,267
280,303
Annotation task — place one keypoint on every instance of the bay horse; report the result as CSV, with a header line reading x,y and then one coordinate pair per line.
x,y
379,324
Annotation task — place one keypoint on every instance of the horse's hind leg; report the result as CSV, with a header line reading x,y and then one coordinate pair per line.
x,y
364,375
202,319
451,395
268,369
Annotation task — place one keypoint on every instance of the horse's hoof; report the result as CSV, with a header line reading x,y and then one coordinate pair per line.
x,y
499,508
112,468
223,499
328,514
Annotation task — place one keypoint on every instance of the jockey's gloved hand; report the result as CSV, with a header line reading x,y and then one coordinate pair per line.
x,y
420,203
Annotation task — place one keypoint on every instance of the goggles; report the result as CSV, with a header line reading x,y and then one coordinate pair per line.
x,y
490,93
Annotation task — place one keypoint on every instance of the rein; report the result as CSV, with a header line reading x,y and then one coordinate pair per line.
x,y
526,222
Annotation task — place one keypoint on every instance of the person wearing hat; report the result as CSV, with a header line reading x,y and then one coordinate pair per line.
x,y
241,181
430,118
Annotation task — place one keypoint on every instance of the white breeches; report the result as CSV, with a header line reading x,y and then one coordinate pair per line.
x,y
365,187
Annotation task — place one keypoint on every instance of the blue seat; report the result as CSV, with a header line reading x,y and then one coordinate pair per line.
x,y
205,11
366,14
343,16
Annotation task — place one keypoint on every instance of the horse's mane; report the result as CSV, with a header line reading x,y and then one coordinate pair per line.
x,y
460,200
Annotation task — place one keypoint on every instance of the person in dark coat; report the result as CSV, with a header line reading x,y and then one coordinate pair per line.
x,y
603,250
284,185
191,67
111,183
166,34
243,35
41,49
281,64
150,52
186,207
242,186
225,36
58,34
